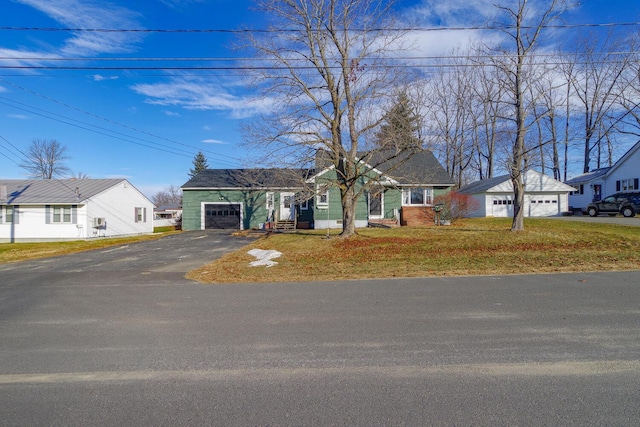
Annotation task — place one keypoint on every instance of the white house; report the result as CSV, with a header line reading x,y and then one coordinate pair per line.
x,y
71,209
544,196
167,215
623,176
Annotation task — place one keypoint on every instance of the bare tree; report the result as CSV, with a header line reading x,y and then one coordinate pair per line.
x,y
328,79
524,31
488,95
597,77
171,195
45,159
451,117
80,175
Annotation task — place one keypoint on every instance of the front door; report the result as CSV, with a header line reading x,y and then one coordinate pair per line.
x,y
287,208
376,200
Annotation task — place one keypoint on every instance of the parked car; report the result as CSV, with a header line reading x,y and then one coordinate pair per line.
x,y
628,204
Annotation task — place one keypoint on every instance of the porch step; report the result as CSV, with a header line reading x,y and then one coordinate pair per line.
x,y
285,225
384,223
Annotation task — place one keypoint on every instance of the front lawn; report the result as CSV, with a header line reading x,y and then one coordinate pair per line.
x,y
470,247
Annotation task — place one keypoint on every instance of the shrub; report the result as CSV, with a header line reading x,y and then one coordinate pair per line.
x,y
456,205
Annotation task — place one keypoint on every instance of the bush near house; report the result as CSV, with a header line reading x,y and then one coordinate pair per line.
x,y
456,205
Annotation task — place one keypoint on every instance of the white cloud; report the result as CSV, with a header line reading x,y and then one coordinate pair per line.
x,y
18,116
99,78
93,15
179,4
171,113
213,141
23,58
452,14
200,95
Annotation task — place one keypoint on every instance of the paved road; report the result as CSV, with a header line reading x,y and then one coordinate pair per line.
x,y
86,341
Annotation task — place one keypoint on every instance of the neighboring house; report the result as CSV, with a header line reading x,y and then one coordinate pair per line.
x,y
544,196
624,175
166,215
71,209
299,198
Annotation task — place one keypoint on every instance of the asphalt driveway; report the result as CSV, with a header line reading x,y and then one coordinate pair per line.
x,y
164,260
602,219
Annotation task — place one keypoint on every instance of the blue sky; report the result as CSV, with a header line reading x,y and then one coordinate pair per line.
x,y
147,125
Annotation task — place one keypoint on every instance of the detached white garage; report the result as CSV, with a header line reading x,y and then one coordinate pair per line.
x,y
544,196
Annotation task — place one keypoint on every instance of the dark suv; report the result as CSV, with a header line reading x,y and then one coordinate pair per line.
x,y
628,204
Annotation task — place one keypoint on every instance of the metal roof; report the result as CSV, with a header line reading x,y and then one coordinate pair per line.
x,y
53,191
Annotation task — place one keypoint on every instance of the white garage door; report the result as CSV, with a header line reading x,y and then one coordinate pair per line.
x,y
502,206
543,205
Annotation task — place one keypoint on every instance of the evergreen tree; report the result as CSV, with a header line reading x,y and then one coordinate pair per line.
x,y
199,164
401,129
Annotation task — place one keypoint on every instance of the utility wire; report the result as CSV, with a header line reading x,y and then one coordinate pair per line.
x,y
236,160
292,30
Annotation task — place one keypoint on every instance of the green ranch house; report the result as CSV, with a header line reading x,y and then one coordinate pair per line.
x,y
240,199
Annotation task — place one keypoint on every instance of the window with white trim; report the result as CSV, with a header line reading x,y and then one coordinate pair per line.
x,y
420,196
61,214
141,215
322,196
627,184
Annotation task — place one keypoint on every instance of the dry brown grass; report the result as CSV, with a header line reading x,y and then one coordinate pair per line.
x,y
471,247
12,252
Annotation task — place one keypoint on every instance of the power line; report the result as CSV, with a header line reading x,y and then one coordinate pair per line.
x,y
249,59
114,123
292,30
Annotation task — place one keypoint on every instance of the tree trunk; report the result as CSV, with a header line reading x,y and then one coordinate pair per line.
x,y
518,203
348,213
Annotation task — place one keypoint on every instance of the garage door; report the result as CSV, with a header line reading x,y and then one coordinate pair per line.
x,y
502,206
543,205
218,216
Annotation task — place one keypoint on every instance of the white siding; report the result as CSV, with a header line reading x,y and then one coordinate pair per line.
x,y
32,225
117,205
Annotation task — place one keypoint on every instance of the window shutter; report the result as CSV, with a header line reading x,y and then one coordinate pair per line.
x,y
144,214
74,214
617,185
16,217
135,214
47,214
635,184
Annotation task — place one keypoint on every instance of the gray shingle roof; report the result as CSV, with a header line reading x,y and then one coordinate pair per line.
x,y
586,177
421,168
249,178
483,185
409,168
54,191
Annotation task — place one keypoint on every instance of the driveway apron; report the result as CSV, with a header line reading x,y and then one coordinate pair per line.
x,y
165,260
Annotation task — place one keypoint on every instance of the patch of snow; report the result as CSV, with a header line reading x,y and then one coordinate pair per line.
x,y
264,257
